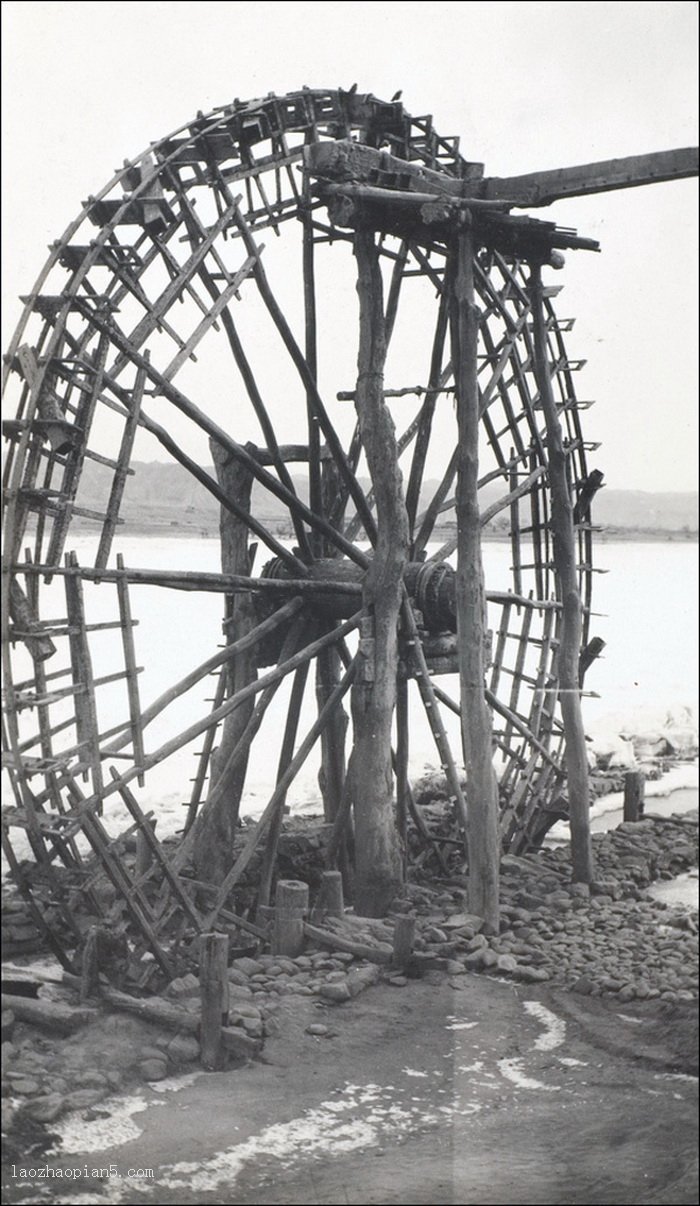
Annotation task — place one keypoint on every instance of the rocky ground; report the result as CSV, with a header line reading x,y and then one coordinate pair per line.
x,y
609,940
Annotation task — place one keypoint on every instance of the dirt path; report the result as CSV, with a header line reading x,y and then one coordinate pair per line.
x,y
473,1091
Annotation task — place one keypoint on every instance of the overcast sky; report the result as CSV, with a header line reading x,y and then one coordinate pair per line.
x,y
525,85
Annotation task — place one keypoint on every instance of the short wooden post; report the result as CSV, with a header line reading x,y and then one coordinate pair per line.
x,y
633,808
404,932
329,902
291,907
213,988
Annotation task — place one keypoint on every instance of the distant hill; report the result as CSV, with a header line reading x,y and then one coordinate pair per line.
x,y
159,496
639,509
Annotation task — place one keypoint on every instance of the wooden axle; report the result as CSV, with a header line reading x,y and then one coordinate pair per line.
x,y
430,585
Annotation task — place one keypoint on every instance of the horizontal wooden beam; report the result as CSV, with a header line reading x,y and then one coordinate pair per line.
x,y
541,188
347,163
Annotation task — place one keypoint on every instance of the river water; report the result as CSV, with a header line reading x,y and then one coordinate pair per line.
x,y
646,681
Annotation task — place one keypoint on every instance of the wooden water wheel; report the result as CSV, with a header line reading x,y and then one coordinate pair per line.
x,y
203,308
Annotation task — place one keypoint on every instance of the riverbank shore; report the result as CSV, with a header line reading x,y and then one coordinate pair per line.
x,y
611,940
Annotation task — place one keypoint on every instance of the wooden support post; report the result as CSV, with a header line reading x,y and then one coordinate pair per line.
x,y
568,589
291,908
332,771
329,902
401,766
216,826
477,736
404,933
378,859
286,754
633,808
213,987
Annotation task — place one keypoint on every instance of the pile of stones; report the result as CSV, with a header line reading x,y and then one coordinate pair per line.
x,y
609,937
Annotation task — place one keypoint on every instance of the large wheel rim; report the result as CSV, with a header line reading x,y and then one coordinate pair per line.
x,y
102,329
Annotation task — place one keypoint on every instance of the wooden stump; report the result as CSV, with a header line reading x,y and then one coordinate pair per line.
x,y
633,808
330,896
291,908
213,987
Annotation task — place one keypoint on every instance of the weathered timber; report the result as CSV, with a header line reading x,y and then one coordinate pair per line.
x,y
294,637
477,737
291,907
377,856
286,753
633,804
49,1015
541,188
132,682
381,953
146,840
218,583
214,997
588,655
215,830
260,829
329,902
568,590
400,763
122,471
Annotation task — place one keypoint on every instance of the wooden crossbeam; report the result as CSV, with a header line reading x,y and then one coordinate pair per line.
x,y
542,188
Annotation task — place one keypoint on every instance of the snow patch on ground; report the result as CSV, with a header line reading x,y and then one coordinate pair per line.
x,y
175,1083
363,1117
555,1028
101,1134
512,1070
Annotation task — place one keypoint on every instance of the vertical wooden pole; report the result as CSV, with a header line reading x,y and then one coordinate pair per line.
x,y
132,670
286,754
633,807
377,855
216,825
477,735
567,579
291,907
213,988
402,766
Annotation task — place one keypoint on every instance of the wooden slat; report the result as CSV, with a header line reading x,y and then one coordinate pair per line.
x,y
74,465
122,471
132,682
81,666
